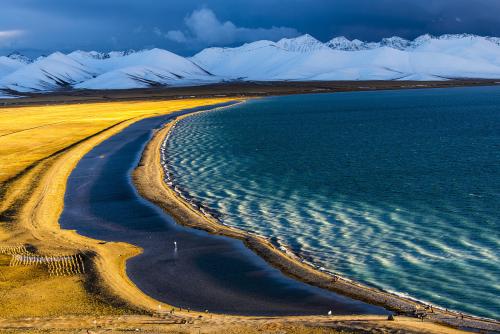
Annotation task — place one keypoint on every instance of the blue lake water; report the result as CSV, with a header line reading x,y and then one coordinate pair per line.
x,y
397,189
181,266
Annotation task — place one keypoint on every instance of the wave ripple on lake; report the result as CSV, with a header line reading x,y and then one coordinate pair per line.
x,y
397,189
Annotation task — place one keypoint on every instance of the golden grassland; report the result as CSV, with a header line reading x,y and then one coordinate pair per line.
x,y
24,289
29,134
39,146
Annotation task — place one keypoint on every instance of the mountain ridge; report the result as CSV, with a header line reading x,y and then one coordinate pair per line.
x,y
304,57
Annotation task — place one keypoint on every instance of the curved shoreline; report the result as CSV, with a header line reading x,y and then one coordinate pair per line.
x,y
149,178
34,199
36,221
219,274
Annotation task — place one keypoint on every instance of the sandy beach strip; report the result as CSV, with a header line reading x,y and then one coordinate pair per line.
x,y
149,180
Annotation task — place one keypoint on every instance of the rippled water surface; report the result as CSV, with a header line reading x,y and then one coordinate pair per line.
x,y
398,189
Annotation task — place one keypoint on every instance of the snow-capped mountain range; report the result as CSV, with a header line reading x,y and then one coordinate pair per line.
x,y
301,58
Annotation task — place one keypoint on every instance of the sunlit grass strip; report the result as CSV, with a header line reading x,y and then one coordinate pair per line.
x,y
29,134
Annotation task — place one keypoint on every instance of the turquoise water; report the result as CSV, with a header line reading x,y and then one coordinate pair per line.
x,y
397,189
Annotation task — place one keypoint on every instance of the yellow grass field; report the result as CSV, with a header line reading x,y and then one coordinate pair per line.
x,y
28,134
39,146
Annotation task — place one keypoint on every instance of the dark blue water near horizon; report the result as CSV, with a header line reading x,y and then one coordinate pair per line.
x,y
397,189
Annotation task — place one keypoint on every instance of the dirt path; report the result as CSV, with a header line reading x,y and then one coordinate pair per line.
x,y
206,324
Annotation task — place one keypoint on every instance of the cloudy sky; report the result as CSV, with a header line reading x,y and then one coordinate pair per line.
x,y
186,26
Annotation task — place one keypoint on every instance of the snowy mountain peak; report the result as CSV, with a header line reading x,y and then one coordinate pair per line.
x,y
88,54
494,40
19,57
57,57
394,58
114,54
100,55
344,44
302,58
304,43
395,42
421,40
52,72
457,36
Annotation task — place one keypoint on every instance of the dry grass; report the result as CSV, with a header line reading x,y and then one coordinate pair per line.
x,y
27,291
36,142
29,134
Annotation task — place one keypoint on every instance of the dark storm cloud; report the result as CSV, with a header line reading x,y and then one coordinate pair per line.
x,y
187,26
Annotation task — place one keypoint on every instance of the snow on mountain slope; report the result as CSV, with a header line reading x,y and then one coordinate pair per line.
x,y
20,57
302,58
261,59
342,43
140,69
142,77
304,43
155,57
448,56
50,73
131,77
395,42
9,65
469,47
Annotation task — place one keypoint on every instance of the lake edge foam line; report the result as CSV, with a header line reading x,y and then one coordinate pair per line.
x,y
149,178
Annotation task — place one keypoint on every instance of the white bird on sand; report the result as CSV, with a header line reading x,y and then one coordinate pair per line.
x,y
330,312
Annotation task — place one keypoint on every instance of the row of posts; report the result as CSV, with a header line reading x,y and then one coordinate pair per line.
x,y
57,265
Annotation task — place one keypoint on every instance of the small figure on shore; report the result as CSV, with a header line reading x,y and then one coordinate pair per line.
x,y
335,278
462,316
330,312
175,246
